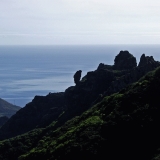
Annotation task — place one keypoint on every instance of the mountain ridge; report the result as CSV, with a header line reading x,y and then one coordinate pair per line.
x,y
123,125
98,117
7,109
93,87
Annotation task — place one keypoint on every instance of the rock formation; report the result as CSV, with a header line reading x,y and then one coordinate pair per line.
x,y
60,107
148,62
124,60
107,80
77,76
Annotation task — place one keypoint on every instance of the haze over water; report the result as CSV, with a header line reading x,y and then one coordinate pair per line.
x,y
26,71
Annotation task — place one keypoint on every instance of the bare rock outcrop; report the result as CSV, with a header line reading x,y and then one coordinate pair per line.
x,y
77,76
148,62
108,79
91,89
124,60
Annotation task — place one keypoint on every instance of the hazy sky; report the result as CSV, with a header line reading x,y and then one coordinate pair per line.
x,y
79,22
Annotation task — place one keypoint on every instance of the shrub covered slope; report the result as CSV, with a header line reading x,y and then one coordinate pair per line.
x,y
124,126
91,89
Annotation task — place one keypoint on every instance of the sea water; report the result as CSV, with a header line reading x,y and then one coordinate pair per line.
x,y
26,71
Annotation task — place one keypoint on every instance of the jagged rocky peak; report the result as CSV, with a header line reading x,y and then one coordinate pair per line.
x,y
148,61
101,66
124,60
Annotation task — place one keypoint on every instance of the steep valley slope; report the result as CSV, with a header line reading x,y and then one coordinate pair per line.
x,y
108,117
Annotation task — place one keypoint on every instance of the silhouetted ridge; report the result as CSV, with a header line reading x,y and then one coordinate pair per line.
x,y
124,125
91,89
124,60
77,76
149,62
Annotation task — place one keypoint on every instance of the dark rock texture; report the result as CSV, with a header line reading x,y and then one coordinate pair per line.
x,y
148,62
77,76
93,87
124,125
124,60
108,79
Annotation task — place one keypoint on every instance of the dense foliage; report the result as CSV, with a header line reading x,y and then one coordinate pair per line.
x,y
124,125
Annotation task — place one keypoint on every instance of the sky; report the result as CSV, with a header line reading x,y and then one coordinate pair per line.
x,y
74,22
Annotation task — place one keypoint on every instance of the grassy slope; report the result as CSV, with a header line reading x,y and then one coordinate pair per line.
x,y
124,125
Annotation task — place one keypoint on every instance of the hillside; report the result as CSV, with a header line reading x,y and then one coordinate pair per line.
x,y
3,120
124,125
91,89
7,109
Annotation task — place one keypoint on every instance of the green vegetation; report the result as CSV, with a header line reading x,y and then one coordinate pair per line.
x,y
124,126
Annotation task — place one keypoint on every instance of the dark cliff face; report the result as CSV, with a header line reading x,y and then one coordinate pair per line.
x,y
124,60
124,125
39,113
93,87
108,79
77,76
148,62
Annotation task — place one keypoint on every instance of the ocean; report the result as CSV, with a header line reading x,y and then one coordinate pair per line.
x,y
26,71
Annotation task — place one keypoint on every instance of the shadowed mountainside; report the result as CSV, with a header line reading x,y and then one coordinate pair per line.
x,y
7,109
3,120
93,87
124,125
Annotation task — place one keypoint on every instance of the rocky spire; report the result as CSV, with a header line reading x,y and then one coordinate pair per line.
x,y
77,76
124,60
148,61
